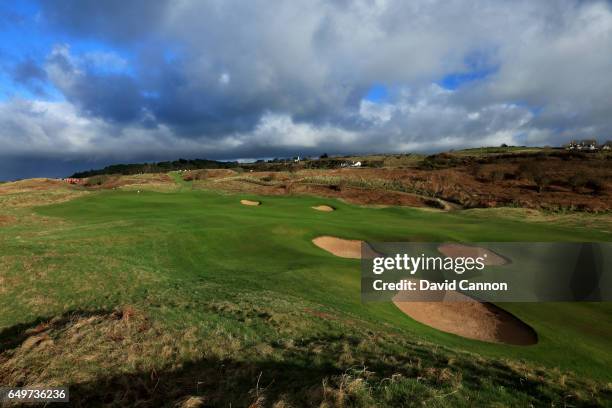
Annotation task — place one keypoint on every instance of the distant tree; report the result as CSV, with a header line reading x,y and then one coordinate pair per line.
x,y
504,145
324,156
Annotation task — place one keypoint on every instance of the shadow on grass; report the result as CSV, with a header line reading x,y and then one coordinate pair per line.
x,y
313,371
13,336
217,382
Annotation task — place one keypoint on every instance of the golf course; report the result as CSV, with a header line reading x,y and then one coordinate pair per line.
x,y
187,296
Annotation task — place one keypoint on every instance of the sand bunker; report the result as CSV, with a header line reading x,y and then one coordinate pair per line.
x,y
459,250
471,319
325,208
451,312
344,248
249,202
456,313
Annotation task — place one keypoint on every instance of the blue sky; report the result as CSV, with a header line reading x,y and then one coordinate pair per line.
x,y
454,80
85,83
377,93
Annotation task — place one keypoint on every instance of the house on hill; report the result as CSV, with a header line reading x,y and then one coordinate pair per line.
x,y
586,144
589,144
607,145
351,164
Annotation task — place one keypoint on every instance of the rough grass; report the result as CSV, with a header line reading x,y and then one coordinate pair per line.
x,y
598,222
125,357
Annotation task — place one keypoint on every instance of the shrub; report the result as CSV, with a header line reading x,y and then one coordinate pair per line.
x,y
528,171
596,185
577,181
541,181
487,176
497,175
96,180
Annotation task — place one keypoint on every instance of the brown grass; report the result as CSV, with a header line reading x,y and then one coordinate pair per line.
x,y
34,198
6,220
35,184
552,181
208,174
148,181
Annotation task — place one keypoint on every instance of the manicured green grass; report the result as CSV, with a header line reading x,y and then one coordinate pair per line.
x,y
197,258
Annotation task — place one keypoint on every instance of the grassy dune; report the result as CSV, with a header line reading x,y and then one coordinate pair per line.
x,y
190,297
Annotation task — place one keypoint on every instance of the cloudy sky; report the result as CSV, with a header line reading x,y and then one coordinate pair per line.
x,y
85,83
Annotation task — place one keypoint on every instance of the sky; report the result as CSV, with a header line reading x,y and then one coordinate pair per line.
x,y
88,83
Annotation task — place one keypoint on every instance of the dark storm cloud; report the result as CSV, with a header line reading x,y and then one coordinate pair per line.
x,y
112,96
116,20
31,75
29,70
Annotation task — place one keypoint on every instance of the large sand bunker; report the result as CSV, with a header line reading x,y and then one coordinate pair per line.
x,y
459,250
452,312
325,208
249,202
472,319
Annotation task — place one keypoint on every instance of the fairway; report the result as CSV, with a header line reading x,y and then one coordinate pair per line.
x,y
202,259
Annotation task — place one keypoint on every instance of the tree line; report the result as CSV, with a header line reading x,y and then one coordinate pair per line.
x,y
159,167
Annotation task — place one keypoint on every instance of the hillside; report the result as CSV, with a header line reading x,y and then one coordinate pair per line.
x,y
160,293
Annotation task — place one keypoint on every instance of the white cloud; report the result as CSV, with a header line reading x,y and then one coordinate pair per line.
x,y
105,61
224,78
279,130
